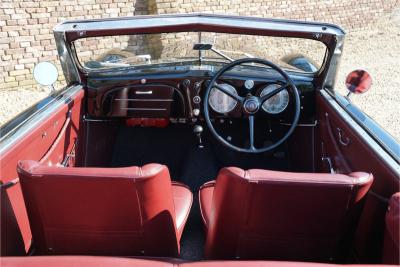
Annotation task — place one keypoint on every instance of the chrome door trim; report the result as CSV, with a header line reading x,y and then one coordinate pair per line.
x,y
37,118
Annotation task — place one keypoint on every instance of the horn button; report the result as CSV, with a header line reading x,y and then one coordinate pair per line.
x,y
251,105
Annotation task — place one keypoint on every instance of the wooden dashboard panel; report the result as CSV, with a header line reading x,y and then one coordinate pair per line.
x,y
116,96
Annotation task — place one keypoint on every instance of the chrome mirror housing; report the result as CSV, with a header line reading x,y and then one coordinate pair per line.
x,y
46,74
358,82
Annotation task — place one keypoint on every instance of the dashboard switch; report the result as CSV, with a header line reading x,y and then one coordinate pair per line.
x,y
196,112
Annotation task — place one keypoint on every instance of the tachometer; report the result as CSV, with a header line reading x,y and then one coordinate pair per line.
x,y
221,102
278,102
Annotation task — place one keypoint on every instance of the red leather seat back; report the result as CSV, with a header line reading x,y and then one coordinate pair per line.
x,y
391,247
260,214
100,211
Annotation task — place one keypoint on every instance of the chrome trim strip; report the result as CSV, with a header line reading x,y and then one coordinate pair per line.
x,y
143,92
368,140
143,100
301,124
37,118
147,109
156,21
96,120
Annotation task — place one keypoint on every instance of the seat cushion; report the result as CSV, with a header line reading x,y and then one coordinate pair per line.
x,y
183,199
205,199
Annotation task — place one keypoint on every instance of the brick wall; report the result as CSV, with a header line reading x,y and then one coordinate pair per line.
x,y
26,26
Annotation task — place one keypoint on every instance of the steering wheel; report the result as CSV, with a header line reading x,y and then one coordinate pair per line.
x,y
251,104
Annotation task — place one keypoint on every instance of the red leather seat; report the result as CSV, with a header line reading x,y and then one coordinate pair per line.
x,y
104,211
92,261
391,247
85,261
261,214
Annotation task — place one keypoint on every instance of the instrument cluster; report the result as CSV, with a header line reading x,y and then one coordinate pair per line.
x,y
222,103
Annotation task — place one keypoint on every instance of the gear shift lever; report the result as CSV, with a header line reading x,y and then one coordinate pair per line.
x,y
198,130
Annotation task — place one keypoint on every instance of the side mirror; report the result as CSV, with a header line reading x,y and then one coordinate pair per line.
x,y
358,82
46,73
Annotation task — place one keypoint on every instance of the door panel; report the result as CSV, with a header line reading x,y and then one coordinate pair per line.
x,y
350,149
48,139
391,247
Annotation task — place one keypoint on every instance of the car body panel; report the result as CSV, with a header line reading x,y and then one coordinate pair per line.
x,y
358,152
33,142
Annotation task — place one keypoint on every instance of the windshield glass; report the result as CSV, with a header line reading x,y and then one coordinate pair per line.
x,y
106,52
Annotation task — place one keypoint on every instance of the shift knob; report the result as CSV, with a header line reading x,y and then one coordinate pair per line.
x,y
197,129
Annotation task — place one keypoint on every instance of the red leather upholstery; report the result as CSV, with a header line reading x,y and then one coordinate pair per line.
x,y
104,211
391,248
90,261
205,198
183,199
260,214
83,261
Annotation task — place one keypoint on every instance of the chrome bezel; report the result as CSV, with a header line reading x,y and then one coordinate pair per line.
x,y
283,91
216,109
249,84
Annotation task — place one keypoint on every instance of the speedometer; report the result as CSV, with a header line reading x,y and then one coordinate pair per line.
x,y
277,103
221,102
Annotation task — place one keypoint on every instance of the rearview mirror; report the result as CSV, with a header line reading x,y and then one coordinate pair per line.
x,y
45,73
358,82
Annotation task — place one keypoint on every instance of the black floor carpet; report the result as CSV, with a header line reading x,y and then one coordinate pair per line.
x,y
176,147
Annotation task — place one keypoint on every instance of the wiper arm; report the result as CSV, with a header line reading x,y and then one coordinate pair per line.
x,y
221,54
204,47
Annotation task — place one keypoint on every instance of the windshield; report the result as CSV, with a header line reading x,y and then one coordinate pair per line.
x,y
107,52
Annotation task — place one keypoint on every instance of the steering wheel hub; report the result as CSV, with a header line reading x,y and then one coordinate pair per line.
x,y
251,105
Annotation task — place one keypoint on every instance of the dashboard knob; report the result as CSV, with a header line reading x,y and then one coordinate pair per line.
x,y
186,83
196,112
196,99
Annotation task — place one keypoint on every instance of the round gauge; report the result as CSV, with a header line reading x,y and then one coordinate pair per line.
x,y
249,84
221,102
277,103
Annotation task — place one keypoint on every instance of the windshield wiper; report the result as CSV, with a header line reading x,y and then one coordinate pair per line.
x,y
205,47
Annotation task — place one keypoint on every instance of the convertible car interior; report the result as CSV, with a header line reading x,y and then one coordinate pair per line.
x,y
218,157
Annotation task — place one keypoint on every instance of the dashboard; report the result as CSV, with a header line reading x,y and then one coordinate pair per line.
x,y
180,95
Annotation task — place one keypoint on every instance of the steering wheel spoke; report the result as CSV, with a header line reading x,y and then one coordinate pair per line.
x,y
251,132
274,92
232,95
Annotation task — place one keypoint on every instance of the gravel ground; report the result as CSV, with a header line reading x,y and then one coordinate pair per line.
x,y
376,50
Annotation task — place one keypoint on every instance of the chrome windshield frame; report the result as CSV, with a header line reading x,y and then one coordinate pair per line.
x,y
69,31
